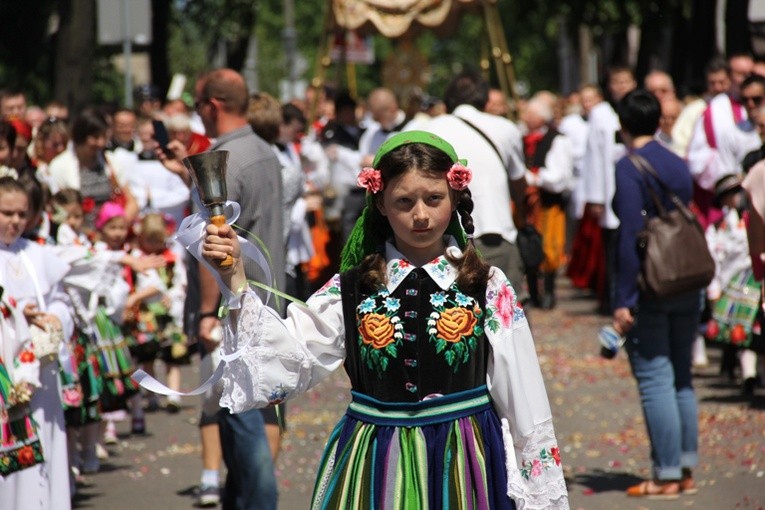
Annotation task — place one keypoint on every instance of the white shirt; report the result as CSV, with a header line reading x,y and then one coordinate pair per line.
x,y
599,163
576,129
558,170
704,158
154,187
64,171
492,213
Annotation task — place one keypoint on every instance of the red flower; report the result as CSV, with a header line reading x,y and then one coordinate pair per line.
x,y
26,356
370,179
12,302
88,204
26,456
555,452
459,176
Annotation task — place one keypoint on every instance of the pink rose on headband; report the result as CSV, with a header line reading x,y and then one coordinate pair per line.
x,y
370,179
459,176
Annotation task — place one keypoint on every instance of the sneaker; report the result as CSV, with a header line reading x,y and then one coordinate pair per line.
x,y
172,407
208,496
91,466
110,436
101,452
138,426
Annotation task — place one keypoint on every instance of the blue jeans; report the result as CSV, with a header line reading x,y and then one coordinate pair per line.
x,y
251,481
659,349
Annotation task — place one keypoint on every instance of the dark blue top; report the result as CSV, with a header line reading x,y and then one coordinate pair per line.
x,y
630,199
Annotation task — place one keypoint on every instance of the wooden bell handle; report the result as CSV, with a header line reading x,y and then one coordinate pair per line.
x,y
219,220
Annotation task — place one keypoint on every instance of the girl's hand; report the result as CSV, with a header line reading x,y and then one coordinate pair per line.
x,y
219,243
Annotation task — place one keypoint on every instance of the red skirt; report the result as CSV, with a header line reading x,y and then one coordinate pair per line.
x,y
587,267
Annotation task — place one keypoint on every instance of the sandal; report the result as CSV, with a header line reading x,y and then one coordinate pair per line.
x,y
650,489
687,485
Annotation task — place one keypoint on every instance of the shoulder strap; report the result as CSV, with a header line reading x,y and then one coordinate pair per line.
x,y
483,135
491,144
645,168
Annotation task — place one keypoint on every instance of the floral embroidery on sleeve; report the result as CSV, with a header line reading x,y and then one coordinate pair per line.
x,y
548,458
278,395
454,325
380,330
331,288
502,308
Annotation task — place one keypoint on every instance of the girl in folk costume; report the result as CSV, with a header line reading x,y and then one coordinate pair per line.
x,y
448,404
20,446
550,158
30,276
102,312
156,307
734,292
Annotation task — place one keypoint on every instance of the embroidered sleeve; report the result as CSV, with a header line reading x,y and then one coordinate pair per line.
x,y
277,359
514,378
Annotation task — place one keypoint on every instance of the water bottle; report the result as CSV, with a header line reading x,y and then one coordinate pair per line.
x,y
610,342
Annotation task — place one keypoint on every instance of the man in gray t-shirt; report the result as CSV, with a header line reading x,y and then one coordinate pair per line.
x,y
254,180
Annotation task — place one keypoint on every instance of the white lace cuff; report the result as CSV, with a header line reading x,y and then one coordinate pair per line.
x,y
535,474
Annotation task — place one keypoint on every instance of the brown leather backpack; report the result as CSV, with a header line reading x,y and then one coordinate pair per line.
x,y
674,255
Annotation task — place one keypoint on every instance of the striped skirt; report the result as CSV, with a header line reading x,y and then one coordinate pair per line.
x,y
442,453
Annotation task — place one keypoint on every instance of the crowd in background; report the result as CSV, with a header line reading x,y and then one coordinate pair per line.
x,y
104,193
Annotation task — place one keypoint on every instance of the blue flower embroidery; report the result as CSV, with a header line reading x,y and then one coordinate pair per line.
x,y
462,299
438,299
367,306
392,304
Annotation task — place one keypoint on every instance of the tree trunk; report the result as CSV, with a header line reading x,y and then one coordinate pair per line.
x,y
703,37
75,50
159,64
737,38
237,49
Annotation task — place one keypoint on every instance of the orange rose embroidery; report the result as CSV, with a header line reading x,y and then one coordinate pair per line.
x,y
454,323
26,456
376,330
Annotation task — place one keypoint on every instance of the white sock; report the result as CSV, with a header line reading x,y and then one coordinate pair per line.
x,y
210,478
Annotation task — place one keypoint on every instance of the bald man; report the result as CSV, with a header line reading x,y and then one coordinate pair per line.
x,y
660,84
389,119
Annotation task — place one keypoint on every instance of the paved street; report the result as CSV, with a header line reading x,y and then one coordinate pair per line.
x,y
598,421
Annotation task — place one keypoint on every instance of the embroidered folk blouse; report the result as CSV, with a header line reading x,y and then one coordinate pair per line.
x,y
416,337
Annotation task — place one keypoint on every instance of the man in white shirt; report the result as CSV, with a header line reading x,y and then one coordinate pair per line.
x,y
493,148
389,119
599,167
550,159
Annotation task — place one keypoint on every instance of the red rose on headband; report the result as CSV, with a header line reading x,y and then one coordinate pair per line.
x,y
459,176
370,179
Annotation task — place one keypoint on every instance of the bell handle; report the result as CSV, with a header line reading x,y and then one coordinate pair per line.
x,y
219,220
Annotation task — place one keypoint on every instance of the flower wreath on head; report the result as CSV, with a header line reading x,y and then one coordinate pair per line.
x,y
360,242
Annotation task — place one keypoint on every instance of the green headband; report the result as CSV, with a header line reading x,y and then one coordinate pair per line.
x,y
407,137
360,244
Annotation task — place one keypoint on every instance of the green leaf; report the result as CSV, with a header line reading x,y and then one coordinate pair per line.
x,y
449,357
391,350
440,345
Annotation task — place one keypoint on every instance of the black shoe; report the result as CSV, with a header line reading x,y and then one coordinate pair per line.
x,y
548,302
749,385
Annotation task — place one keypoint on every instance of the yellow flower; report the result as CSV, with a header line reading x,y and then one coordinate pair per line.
x,y
454,323
376,330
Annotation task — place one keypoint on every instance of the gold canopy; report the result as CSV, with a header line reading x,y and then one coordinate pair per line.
x,y
398,18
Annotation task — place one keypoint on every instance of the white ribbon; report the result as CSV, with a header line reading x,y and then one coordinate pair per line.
x,y
191,234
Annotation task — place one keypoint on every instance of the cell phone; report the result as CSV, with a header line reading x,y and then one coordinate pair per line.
x,y
161,135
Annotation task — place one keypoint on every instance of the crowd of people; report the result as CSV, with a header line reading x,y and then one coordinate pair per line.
x,y
94,283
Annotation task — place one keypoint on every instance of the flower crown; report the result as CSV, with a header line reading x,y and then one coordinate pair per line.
x,y
459,176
